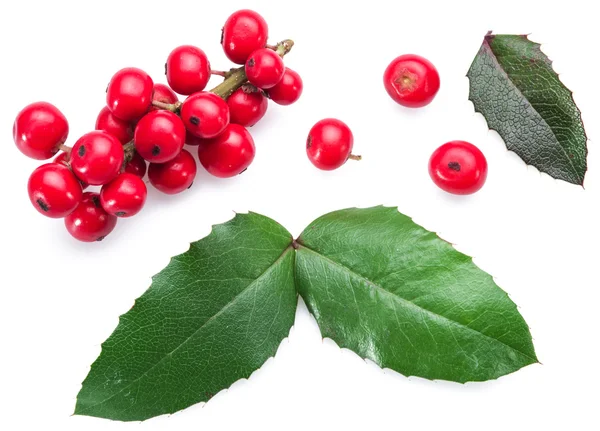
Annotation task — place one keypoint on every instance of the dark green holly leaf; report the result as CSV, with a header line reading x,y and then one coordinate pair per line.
x,y
513,85
214,315
395,293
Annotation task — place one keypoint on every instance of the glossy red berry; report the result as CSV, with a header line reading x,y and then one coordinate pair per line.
x,y
192,140
62,158
163,94
411,81
159,136
97,158
244,32
205,114
458,167
288,90
122,130
174,176
246,108
124,196
136,166
264,68
39,129
53,190
129,94
187,70
329,144
228,154
89,222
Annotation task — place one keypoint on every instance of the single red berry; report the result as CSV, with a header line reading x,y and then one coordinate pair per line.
x,y
458,167
129,94
159,136
187,69
246,108
89,222
136,166
411,80
244,32
329,144
192,140
122,130
288,90
62,158
264,68
174,176
163,94
39,129
53,190
97,158
124,196
205,114
228,154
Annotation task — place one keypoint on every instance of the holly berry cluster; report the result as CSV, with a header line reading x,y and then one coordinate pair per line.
x,y
144,127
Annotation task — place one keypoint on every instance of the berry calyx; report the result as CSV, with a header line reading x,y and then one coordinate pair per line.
x,y
129,94
228,154
39,130
244,32
53,190
205,115
174,176
288,90
159,136
122,130
163,94
136,166
187,69
247,107
329,144
89,222
411,80
124,196
264,68
97,158
458,167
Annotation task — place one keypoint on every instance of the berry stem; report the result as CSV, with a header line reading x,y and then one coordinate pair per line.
x,y
65,148
219,73
173,107
354,157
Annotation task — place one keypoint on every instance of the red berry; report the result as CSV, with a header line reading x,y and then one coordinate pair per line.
x,y
122,130
174,176
97,158
411,80
124,196
458,167
246,108
39,129
159,136
62,158
228,154
329,144
89,222
53,190
163,94
187,70
205,114
264,68
136,166
244,32
288,90
129,93
192,140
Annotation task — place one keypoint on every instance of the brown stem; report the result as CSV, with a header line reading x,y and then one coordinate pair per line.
x,y
173,107
65,148
354,157
219,73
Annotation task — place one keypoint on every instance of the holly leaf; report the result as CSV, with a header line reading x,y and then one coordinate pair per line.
x,y
395,293
513,85
214,315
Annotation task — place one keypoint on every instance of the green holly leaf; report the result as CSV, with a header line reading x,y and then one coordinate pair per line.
x,y
214,315
513,85
395,293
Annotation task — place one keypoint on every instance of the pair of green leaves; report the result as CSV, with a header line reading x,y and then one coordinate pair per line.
x,y
376,282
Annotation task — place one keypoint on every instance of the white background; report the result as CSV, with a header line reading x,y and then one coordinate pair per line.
x,y
539,237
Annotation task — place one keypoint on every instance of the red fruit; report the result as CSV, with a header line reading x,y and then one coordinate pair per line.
x,y
288,90
89,222
136,166
264,68
62,158
192,140
163,94
411,80
329,144
53,190
244,32
122,130
246,108
458,167
174,176
205,115
129,94
159,136
228,154
124,196
187,69
39,129
97,158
